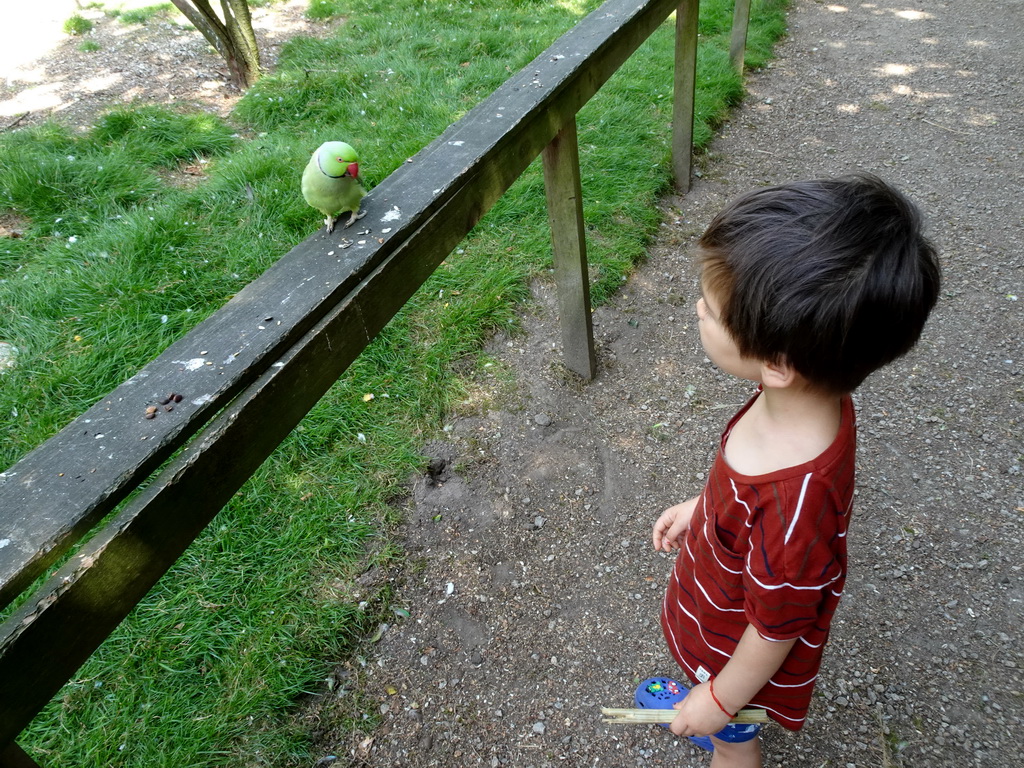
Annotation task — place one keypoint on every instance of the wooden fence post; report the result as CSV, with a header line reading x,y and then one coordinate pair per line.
x,y
565,214
13,756
685,82
738,41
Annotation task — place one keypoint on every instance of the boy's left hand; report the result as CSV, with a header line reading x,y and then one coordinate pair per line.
x,y
673,523
698,714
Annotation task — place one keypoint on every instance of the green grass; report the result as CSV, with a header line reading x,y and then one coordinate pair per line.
x,y
325,9
208,670
77,24
142,12
146,13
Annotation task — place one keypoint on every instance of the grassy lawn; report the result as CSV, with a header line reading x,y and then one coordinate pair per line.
x,y
115,263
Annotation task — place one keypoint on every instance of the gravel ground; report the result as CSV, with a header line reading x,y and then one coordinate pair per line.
x,y
533,590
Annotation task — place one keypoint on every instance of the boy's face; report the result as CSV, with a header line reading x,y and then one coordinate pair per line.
x,y
718,343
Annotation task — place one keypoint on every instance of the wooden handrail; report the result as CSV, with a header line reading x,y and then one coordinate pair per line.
x,y
249,373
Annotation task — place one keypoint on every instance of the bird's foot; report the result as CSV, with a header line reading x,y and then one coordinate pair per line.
x,y
356,216
329,222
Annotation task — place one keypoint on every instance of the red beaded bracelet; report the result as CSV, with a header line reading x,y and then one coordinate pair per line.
x,y
711,688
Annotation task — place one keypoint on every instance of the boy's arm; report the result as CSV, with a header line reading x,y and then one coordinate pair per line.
x,y
674,521
751,666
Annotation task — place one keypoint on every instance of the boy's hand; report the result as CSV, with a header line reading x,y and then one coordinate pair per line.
x,y
752,665
672,524
698,714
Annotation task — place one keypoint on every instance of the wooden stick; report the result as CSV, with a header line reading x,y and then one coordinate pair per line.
x,y
20,117
612,715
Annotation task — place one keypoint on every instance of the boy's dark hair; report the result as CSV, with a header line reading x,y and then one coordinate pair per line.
x,y
833,276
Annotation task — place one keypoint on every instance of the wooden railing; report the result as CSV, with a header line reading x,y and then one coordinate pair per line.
x,y
249,373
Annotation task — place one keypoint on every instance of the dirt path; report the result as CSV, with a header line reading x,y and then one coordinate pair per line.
x,y
534,593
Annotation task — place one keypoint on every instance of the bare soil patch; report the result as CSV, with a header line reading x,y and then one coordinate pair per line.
x,y
48,75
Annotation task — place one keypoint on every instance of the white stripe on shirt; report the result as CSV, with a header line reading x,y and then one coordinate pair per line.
x,y
799,507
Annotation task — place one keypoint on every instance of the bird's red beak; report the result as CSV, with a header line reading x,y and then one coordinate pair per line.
x,y
353,170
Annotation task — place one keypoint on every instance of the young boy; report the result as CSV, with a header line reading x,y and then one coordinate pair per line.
x,y
806,289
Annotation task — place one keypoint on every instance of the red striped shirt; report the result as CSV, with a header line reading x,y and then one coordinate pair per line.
x,y
769,551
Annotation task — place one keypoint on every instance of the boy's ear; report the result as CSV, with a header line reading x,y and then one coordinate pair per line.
x,y
778,374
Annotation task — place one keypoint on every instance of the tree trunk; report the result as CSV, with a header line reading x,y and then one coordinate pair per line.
x,y
233,38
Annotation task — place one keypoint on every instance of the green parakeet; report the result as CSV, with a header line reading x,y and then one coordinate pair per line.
x,y
330,182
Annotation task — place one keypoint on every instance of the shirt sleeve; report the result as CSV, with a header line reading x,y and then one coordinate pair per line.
x,y
791,563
